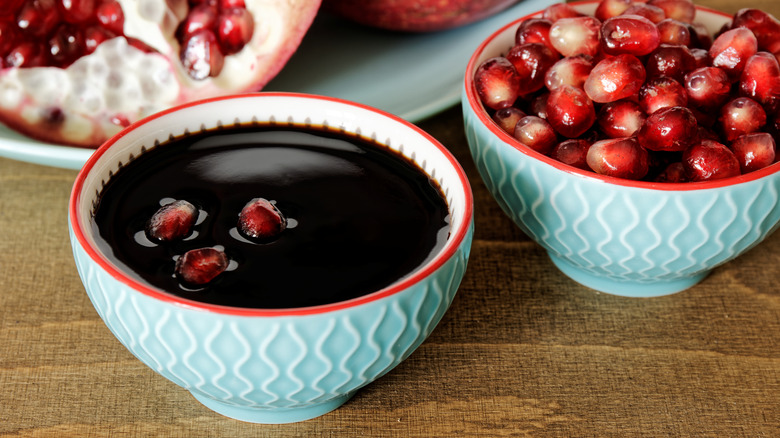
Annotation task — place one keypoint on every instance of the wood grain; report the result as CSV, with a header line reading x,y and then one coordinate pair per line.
x,y
523,351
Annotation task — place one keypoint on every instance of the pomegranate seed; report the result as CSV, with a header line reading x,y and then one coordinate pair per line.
x,y
611,8
26,54
261,220
76,11
709,160
200,55
669,129
708,87
227,4
652,13
700,36
234,28
507,118
573,152
94,36
674,32
681,10
671,61
38,18
615,78
198,267
662,92
203,17
629,34
569,111
497,82
764,26
754,151
673,173
538,105
172,221
110,15
558,11
622,118
618,157
760,79
9,37
576,36
572,70
701,58
534,30
531,61
535,133
731,50
66,45
741,116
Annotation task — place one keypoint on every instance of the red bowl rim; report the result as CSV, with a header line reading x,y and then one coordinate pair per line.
x,y
482,115
448,252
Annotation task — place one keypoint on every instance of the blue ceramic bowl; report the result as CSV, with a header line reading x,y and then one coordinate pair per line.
x,y
272,366
637,239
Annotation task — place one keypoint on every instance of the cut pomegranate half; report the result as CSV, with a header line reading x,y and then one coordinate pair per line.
x,y
76,72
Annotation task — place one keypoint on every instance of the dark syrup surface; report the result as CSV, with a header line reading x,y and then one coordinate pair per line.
x,y
360,216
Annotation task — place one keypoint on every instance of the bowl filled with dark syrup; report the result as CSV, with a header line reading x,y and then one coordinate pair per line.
x,y
271,253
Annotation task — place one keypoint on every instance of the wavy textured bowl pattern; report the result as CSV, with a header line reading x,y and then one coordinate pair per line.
x,y
265,365
625,238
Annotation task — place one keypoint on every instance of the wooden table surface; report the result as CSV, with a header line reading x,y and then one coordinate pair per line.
x,y
523,351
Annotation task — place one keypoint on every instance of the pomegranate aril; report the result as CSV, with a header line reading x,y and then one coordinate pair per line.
x,y
199,267
538,106
629,34
731,50
235,28
534,30
38,17
76,11
709,160
226,4
741,116
701,58
700,36
497,83
576,36
681,10
670,129
764,26
572,70
261,220
754,151
622,118
662,92
172,221
94,36
674,32
652,13
507,118
26,54
66,45
573,152
569,111
201,56
110,15
760,79
615,78
535,133
557,11
673,173
708,87
618,157
673,61
607,9
202,17
531,61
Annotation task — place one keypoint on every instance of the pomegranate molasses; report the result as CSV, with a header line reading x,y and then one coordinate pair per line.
x,y
357,215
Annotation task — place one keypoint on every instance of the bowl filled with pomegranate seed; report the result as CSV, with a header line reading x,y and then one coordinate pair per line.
x,y
636,142
271,253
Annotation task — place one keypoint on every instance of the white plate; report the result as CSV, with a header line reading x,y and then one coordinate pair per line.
x,y
410,75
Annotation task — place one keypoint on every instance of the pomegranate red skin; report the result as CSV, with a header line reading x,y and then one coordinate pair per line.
x,y
618,157
709,160
415,15
569,111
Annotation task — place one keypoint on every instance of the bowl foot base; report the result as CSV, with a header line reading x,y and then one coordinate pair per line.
x,y
271,415
625,288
